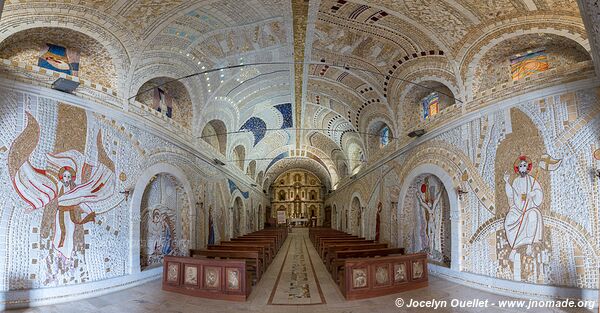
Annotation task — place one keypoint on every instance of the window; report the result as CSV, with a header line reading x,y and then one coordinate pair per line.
x,y
384,136
430,105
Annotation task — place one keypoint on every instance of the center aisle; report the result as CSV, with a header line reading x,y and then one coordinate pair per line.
x,y
297,282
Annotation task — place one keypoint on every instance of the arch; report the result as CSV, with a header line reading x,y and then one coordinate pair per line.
x,y
168,96
164,229
379,135
411,111
259,178
89,58
446,181
251,170
215,134
355,208
136,202
237,216
238,156
493,68
473,54
101,27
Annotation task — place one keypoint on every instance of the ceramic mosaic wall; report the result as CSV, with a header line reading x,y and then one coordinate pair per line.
x,y
64,217
530,213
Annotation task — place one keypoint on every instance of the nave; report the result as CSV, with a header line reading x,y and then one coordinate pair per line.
x,y
296,264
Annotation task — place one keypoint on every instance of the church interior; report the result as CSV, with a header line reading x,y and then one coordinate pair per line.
x,y
313,156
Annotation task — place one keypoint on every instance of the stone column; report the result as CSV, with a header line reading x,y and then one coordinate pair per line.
x,y
590,13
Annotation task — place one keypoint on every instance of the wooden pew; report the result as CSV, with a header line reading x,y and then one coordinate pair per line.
x,y
341,256
252,258
266,247
259,249
270,242
332,249
326,243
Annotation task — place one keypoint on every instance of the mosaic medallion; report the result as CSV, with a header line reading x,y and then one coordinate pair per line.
x,y
382,275
417,270
359,277
211,277
233,279
399,272
173,272
191,275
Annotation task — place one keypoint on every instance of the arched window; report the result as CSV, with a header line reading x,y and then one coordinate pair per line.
x,y
384,136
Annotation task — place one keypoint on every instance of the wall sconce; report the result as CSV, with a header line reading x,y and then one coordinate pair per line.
x,y
461,192
127,192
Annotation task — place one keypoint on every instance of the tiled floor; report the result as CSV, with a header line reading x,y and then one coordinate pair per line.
x,y
150,298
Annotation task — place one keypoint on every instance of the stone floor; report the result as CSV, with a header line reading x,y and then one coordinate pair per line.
x,y
293,267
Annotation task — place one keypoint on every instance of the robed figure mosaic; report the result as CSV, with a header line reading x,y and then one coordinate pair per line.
x,y
64,190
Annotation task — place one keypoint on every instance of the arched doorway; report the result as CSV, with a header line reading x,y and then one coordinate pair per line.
x,y
426,226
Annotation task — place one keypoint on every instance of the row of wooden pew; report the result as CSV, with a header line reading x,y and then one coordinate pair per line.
x,y
364,268
225,271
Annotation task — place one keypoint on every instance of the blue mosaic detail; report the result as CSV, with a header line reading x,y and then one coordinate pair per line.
x,y
257,126
277,158
233,187
286,110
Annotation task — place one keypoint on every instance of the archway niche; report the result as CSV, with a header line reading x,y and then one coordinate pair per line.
x,y
379,136
259,178
251,170
424,221
168,96
548,51
237,215
164,220
215,134
71,52
356,217
420,102
239,154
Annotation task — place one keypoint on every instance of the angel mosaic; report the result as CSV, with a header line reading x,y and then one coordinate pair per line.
x,y
66,190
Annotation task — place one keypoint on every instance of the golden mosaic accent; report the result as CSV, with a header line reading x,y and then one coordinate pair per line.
x,y
71,132
122,176
23,145
300,16
525,140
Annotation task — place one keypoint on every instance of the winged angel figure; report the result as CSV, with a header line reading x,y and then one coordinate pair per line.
x,y
65,190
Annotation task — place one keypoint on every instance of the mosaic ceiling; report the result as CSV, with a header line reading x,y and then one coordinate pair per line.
x,y
325,69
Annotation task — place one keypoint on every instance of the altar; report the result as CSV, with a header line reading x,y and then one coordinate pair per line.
x,y
297,221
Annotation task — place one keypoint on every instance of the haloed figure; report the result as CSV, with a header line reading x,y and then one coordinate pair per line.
x,y
68,216
523,223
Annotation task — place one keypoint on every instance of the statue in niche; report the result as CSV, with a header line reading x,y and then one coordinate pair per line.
x,y
378,222
429,202
211,227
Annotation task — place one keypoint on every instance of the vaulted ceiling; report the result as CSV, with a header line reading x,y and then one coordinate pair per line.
x,y
327,69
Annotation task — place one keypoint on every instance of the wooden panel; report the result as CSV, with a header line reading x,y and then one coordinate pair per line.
x,y
207,278
374,277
